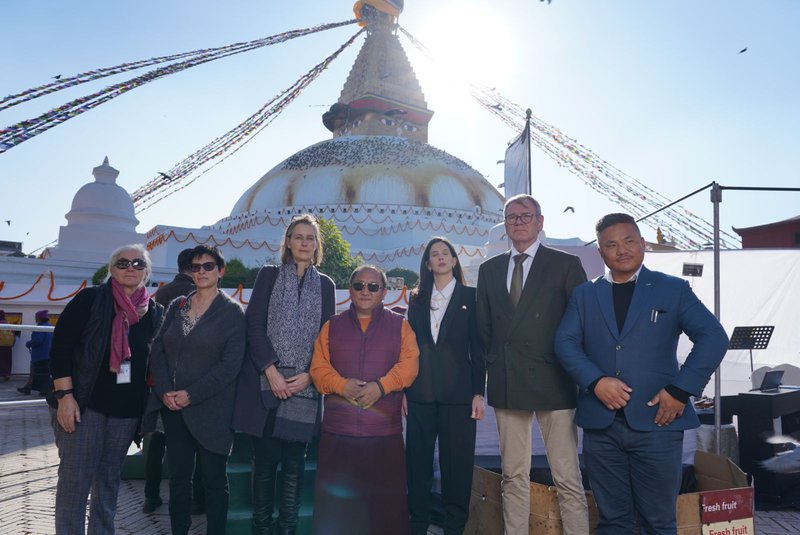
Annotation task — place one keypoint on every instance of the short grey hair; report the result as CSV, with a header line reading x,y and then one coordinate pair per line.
x,y
140,250
523,198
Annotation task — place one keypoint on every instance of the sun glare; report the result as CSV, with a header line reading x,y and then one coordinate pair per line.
x,y
469,43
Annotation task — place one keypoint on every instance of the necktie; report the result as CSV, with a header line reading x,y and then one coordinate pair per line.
x,y
516,278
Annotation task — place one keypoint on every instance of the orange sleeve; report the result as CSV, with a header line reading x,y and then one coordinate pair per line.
x,y
405,371
325,377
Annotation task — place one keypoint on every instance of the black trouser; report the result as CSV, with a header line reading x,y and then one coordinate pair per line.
x,y
153,460
181,449
456,432
40,376
268,453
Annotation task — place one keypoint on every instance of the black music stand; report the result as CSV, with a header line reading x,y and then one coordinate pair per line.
x,y
751,338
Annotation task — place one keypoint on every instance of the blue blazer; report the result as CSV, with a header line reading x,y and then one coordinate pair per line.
x,y
644,355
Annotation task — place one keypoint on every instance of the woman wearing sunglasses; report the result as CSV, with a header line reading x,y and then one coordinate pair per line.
x,y
195,359
446,398
98,361
275,401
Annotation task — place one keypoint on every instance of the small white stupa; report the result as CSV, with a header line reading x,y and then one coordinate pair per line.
x,y
101,219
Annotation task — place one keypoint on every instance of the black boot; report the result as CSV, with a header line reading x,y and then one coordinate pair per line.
x,y
263,498
24,389
293,466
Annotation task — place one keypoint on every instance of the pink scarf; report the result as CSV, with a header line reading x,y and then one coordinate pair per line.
x,y
127,313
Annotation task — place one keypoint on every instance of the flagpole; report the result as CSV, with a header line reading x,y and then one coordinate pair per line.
x,y
528,114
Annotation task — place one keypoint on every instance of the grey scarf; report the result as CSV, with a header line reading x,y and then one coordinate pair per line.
x,y
292,325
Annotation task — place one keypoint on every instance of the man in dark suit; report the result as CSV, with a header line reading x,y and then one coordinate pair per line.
x,y
618,340
522,295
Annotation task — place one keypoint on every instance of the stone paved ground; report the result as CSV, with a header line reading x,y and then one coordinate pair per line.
x,y
29,471
28,474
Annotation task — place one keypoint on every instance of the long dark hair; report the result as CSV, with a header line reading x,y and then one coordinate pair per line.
x,y
424,288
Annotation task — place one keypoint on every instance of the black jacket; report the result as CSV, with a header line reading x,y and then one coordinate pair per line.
x,y
81,350
523,372
452,369
181,286
249,414
205,363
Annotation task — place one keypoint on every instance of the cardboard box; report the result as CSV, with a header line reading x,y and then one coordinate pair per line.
x,y
486,508
713,473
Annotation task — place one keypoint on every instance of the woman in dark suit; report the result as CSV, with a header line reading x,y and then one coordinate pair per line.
x,y
194,362
446,399
275,401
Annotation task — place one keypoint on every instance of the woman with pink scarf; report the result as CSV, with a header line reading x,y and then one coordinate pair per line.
x,y
98,362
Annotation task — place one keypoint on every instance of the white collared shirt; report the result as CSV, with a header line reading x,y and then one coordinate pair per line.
x,y
439,301
635,276
526,264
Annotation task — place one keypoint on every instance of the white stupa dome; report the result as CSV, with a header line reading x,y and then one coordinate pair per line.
x,y
378,180
379,170
100,219
103,202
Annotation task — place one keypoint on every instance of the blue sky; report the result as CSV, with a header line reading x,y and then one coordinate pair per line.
x,y
658,89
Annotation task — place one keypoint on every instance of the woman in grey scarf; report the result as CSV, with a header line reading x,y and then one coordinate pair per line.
x,y
275,401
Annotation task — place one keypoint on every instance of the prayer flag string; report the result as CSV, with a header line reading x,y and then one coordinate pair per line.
x,y
225,145
24,130
682,226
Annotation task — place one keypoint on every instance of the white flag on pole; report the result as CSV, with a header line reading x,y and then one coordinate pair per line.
x,y
517,166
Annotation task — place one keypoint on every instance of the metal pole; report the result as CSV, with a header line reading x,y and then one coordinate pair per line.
x,y
528,114
716,199
41,402
31,328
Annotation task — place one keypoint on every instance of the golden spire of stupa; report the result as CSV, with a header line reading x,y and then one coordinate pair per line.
x,y
382,95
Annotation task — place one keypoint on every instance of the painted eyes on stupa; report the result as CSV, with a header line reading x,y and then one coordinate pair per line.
x,y
387,121
390,122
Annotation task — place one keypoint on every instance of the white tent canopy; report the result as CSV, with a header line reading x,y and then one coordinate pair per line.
x,y
757,287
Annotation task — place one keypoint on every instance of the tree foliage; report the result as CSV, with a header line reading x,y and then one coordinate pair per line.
x,y
100,275
408,275
237,273
337,263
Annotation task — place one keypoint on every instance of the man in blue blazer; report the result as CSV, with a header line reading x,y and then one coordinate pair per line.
x,y
618,340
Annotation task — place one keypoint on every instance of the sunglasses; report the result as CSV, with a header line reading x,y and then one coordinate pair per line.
x,y
205,266
137,263
373,287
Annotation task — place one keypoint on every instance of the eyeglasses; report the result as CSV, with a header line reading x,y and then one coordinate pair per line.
x,y
373,287
520,218
205,266
137,263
